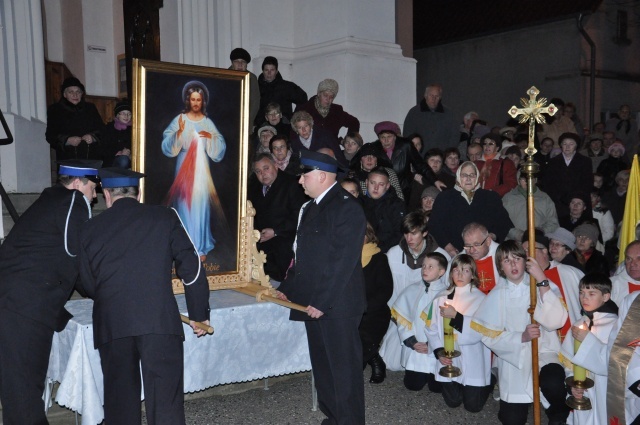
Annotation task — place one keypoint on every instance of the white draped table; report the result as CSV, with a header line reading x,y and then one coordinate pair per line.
x,y
251,341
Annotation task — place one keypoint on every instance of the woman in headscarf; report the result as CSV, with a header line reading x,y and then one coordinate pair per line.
x,y
454,209
194,139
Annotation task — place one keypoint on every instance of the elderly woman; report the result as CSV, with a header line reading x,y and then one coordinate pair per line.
x,y
378,284
588,256
310,138
281,152
369,157
116,143
427,199
496,174
579,211
265,133
352,143
451,160
468,203
611,166
326,114
273,116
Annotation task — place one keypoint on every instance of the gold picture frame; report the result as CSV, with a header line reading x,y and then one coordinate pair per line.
x,y
185,169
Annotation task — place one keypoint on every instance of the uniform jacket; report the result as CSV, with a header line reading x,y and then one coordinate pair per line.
x,y
38,274
65,120
278,209
328,271
335,119
126,259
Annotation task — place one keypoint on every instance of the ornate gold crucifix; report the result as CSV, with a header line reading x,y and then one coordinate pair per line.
x,y
532,111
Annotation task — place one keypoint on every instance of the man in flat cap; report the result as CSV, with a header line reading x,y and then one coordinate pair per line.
x,y
326,276
126,256
38,265
240,58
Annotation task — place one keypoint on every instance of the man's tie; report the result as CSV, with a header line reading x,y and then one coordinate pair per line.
x,y
310,206
265,189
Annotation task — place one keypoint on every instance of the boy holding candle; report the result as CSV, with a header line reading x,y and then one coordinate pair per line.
x,y
408,313
504,322
584,345
452,310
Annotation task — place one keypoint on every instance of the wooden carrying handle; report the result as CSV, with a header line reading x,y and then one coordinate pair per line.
x,y
199,325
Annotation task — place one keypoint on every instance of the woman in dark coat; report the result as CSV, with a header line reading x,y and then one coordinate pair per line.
x,y
588,256
116,144
379,287
467,203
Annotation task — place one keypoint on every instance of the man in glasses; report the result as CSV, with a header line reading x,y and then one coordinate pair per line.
x,y
482,248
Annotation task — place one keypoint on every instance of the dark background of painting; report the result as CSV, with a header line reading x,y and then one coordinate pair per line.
x,y
163,103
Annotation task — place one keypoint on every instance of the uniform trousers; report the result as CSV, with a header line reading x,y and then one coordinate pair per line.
x,y
336,359
24,357
552,387
161,359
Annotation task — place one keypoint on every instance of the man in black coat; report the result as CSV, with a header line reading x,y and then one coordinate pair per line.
x,y
126,256
383,209
275,89
403,155
39,268
327,277
74,126
277,198
567,173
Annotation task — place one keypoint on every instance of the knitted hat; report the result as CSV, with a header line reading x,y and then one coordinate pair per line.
x,y
587,229
430,192
71,82
616,145
240,53
328,85
563,235
267,128
123,105
270,60
387,127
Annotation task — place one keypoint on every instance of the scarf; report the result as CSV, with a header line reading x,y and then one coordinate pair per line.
x,y
369,250
322,111
467,194
119,125
282,164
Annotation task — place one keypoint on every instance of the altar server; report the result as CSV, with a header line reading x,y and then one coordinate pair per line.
x,y
408,314
627,278
126,257
38,265
504,322
458,303
600,314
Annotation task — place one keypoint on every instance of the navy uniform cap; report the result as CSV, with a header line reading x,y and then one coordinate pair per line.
x,y
87,168
310,161
119,177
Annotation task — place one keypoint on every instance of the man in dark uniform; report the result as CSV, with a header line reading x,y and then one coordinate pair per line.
x,y
277,198
39,268
126,255
327,277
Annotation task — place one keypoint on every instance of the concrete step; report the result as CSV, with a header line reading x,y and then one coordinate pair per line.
x,y
22,201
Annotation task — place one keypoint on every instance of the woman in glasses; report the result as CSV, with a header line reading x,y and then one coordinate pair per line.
x,y
496,174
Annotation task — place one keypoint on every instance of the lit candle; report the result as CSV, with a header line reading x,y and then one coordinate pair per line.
x,y
579,373
448,334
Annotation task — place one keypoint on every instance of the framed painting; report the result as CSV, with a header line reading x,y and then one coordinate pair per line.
x,y
190,133
121,66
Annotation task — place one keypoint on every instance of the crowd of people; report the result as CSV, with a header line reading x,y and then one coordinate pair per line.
x,y
405,250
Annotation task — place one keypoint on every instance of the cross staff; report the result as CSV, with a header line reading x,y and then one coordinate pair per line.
x,y
532,111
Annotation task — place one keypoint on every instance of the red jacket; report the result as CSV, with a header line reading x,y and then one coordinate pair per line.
x,y
499,176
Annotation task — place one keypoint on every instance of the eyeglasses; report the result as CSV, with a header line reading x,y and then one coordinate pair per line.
x,y
475,245
488,143
125,114
582,237
273,114
467,176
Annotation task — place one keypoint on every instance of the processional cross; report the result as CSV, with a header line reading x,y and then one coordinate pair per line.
x,y
532,111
